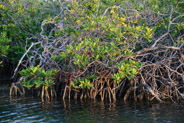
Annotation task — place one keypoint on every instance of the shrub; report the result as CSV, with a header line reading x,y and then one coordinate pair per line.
x,y
128,46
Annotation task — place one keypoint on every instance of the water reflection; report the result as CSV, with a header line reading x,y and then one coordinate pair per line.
x,y
32,109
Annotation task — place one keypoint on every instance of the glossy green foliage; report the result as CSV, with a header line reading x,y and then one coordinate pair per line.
x,y
102,31
127,69
37,77
19,20
84,82
4,45
99,37
110,31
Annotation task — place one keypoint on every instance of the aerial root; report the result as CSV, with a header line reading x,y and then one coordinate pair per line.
x,y
49,93
15,88
146,89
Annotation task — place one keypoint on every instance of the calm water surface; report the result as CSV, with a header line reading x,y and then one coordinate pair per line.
x,y
31,109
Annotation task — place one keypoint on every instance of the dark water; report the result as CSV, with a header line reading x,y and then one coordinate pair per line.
x,y
31,109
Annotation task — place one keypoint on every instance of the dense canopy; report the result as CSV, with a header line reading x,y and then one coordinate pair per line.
x,y
132,49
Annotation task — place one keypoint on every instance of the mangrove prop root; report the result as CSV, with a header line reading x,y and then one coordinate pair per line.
x,y
43,92
160,77
47,94
64,94
53,92
15,88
